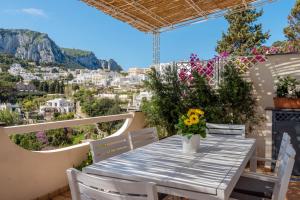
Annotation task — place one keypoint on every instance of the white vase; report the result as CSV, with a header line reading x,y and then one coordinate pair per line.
x,y
191,145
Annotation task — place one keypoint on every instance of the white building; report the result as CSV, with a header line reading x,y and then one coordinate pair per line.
x,y
58,105
137,100
17,70
10,107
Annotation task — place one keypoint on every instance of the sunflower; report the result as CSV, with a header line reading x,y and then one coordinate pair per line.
x,y
188,122
194,119
199,111
191,112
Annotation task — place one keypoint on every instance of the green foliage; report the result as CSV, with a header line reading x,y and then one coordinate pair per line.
x,y
8,91
243,34
76,52
9,118
61,117
29,105
167,95
99,107
70,77
192,123
7,59
235,96
287,87
28,141
232,102
292,31
59,137
55,87
86,162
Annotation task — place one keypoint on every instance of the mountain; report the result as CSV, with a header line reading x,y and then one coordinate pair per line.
x,y
39,47
83,58
30,45
110,64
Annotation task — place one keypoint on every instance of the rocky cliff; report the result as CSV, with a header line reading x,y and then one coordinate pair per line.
x,y
38,47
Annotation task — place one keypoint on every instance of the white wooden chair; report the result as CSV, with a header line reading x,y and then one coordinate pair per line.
x,y
286,140
226,129
87,187
142,137
109,147
252,186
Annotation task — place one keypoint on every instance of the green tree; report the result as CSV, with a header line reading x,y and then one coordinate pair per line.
x,y
292,31
166,101
36,83
243,34
235,97
29,105
8,92
57,86
52,87
61,87
70,77
9,118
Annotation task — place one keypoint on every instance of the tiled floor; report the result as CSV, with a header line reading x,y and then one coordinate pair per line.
x,y
293,193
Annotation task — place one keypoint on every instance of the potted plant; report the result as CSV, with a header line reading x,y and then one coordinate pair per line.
x,y
287,93
191,127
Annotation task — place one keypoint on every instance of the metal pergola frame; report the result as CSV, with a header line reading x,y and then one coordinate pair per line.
x,y
148,17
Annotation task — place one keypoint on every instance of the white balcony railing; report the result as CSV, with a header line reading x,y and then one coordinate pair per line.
x,y
28,175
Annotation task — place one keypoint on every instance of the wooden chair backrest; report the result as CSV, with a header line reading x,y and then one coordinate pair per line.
x,y
284,173
226,129
109,147
286,140
87,187
143,137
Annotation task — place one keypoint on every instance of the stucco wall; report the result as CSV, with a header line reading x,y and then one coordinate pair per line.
x,y
264,76
26,175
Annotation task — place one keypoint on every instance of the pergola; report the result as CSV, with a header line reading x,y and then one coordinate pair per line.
x,y
156,16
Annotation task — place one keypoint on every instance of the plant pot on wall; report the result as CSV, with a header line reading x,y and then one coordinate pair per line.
x,y
288,103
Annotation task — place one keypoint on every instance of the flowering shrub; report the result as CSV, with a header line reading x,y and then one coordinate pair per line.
x,y
42,137
205,69
192,123
284,47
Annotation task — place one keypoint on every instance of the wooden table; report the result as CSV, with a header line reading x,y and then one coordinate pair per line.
x,y
210,174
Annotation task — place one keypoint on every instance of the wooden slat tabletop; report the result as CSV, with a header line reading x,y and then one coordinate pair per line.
x,y
214,170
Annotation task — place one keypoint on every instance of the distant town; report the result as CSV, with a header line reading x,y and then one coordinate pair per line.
x,y
52,90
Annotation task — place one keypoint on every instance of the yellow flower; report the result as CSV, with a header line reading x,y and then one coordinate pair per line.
x,y
194,119
191,112
188,122
199,111
195,112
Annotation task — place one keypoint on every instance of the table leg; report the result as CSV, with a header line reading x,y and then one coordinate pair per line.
x,y
253,161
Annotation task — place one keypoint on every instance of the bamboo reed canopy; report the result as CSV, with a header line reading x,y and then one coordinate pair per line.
x,y
162,15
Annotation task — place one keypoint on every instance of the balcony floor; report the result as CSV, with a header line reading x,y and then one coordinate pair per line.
x,y
293,193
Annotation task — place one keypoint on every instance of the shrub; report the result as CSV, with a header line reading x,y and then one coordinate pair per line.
x,y
166,104
9,118
28,141
174,93
59,137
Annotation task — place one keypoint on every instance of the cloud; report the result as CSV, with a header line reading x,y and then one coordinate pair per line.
x,y
34,12
28,11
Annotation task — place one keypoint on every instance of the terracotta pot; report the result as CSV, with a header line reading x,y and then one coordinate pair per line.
x,y
281,102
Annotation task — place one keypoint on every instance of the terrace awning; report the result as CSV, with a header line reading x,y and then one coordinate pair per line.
x,y
161,15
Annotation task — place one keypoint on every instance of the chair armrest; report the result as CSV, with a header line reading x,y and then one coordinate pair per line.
x,y
262,177
265,160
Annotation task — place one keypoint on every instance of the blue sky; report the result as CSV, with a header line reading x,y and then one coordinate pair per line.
x,y
73,24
